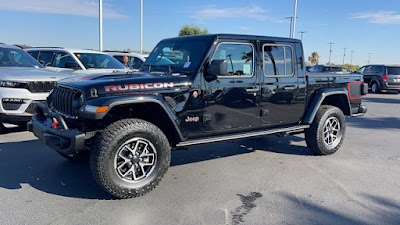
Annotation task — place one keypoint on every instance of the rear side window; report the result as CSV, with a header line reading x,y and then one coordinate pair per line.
x,y
393,70
239,58
278,60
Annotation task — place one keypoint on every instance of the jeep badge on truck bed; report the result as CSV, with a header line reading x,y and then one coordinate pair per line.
x,y
193,90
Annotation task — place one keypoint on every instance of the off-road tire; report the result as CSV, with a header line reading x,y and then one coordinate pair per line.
x,y
314,135
106,147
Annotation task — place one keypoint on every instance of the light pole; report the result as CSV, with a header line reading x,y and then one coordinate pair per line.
x,y
330,51
344,55
369,58
141,26
294,18
351,58
101,25
290,29
302,32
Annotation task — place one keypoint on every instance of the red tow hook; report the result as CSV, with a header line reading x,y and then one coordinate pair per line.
x,y
55,125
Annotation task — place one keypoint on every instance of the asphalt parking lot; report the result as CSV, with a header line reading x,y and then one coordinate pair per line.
x,y
267,180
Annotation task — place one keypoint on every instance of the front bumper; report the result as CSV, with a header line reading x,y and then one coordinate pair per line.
x,y
60,138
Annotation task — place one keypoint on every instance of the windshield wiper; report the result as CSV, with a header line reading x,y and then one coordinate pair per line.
x,y
169,68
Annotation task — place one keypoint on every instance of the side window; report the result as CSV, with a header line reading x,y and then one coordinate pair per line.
x,y
34,54
361,70
278,60
239,58
136,63
368,69
61,58
46,57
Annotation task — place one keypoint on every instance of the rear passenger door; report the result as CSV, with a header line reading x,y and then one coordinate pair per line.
x,y
282,99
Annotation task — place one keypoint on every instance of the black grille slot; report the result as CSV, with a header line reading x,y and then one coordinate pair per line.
x,y
40,86
32,107
66,101
11,105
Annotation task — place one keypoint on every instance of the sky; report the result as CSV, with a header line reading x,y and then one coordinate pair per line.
x,y
361,26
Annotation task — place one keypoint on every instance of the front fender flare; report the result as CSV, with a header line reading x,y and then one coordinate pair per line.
x,y
128,100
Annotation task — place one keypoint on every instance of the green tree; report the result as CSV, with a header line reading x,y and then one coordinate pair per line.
x,y
314,58
192,30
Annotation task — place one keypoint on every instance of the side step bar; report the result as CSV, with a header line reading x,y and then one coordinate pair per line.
x,y
242,135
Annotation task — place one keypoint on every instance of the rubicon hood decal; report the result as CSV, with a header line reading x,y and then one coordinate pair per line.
x,y
126,87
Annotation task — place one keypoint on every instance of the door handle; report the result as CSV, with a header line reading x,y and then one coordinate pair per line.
x,y
289,88
252,89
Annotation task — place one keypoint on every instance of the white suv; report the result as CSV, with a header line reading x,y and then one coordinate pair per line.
x,y
23,83
76,60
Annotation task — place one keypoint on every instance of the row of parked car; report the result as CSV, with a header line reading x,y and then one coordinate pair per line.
x,y
378,77
25,81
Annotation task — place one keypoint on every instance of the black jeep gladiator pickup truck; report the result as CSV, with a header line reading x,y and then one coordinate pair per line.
x,y
193,90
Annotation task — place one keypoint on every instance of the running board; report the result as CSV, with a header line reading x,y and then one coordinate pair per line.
x,y
242,135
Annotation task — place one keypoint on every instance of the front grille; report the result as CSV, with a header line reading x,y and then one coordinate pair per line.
x,y
41,86
66,101
11,105
32,107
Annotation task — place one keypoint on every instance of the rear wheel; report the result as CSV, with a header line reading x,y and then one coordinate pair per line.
x,y
327,132
375,88
130,157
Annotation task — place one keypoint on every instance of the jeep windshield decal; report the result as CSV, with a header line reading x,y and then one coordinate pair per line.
x,y
126,87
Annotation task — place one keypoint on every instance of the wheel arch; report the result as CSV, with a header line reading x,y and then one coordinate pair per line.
x,y
337,97
149,108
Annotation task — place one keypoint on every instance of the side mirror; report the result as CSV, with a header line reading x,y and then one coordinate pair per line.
x,y
72,65
218,67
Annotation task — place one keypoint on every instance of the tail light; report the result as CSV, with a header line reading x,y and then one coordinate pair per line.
x,y
384,77
365,89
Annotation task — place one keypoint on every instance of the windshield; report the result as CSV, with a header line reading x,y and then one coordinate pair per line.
x,y
178,55
333,69
393,70
10,57
98,61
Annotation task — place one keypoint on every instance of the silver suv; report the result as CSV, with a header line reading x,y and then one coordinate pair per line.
x,y
23,83
76,61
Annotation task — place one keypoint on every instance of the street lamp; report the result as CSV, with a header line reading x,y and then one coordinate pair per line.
x,y
294,18
101,25
302,32
141,26
290,28
330,51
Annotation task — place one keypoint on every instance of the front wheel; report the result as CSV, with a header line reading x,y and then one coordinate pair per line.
x,y
327,132
130,157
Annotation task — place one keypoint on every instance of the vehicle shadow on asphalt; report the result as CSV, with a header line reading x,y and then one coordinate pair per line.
x,y
30,163
245,146
375,123
382,100
383,211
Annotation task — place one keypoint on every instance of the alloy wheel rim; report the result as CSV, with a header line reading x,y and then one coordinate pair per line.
x,y
373,87
332,132
135,160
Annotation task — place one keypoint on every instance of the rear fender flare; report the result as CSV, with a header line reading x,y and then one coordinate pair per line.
x,y
319,99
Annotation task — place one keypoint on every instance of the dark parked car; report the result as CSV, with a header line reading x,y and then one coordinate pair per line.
x,y
221,87
326,69
381,77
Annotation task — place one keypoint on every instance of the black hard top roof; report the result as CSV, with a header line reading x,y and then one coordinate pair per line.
x,y
237,36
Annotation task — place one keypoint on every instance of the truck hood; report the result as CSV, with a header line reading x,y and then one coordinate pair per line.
x,y
29,74
120,83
